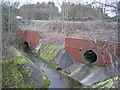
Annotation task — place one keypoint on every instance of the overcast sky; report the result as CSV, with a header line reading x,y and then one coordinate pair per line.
x,y
57,2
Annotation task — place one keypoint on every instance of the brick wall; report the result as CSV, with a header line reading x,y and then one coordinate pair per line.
x,y
76,47
30,36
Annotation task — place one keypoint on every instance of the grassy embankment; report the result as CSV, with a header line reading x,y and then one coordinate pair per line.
x,y
17,73
48,53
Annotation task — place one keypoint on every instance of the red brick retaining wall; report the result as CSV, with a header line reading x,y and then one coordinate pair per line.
x,y
75,47
30,36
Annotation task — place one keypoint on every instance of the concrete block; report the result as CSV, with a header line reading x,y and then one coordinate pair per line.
x,y
65,60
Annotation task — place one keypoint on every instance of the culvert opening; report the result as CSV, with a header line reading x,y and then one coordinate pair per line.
x,y
26,47
90,56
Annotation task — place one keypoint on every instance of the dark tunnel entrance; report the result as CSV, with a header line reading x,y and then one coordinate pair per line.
x,y
90,56
26,47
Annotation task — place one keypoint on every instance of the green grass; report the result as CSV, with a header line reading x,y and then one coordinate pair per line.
x,y
16,52
16,75
46,80
48,52
107,83
12,76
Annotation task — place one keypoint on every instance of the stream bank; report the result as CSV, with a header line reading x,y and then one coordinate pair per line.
x,y
57,79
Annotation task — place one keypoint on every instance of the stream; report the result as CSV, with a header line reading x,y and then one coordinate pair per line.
x,y
57,79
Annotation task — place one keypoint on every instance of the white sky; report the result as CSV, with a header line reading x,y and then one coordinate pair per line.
x,y
57,2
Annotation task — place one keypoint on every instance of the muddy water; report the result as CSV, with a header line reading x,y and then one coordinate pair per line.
x,y
57,79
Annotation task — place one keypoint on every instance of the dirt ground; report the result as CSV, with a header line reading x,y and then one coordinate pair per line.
x,y
55,31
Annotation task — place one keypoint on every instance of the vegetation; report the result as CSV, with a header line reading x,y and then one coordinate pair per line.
x,y
16,73
72,11
38,11
9,24
69,11
12,77
17,68
48,53
9,12
109,83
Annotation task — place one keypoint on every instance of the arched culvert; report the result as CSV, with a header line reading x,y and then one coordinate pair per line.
x,y
90,56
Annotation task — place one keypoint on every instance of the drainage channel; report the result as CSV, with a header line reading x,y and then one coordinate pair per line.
x,y
57,79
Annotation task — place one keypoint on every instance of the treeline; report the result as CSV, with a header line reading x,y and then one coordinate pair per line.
x,y
73,11
47,11
39,11
69,11
9,13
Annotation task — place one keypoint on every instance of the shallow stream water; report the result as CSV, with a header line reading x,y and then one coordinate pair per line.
x,y
57,79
